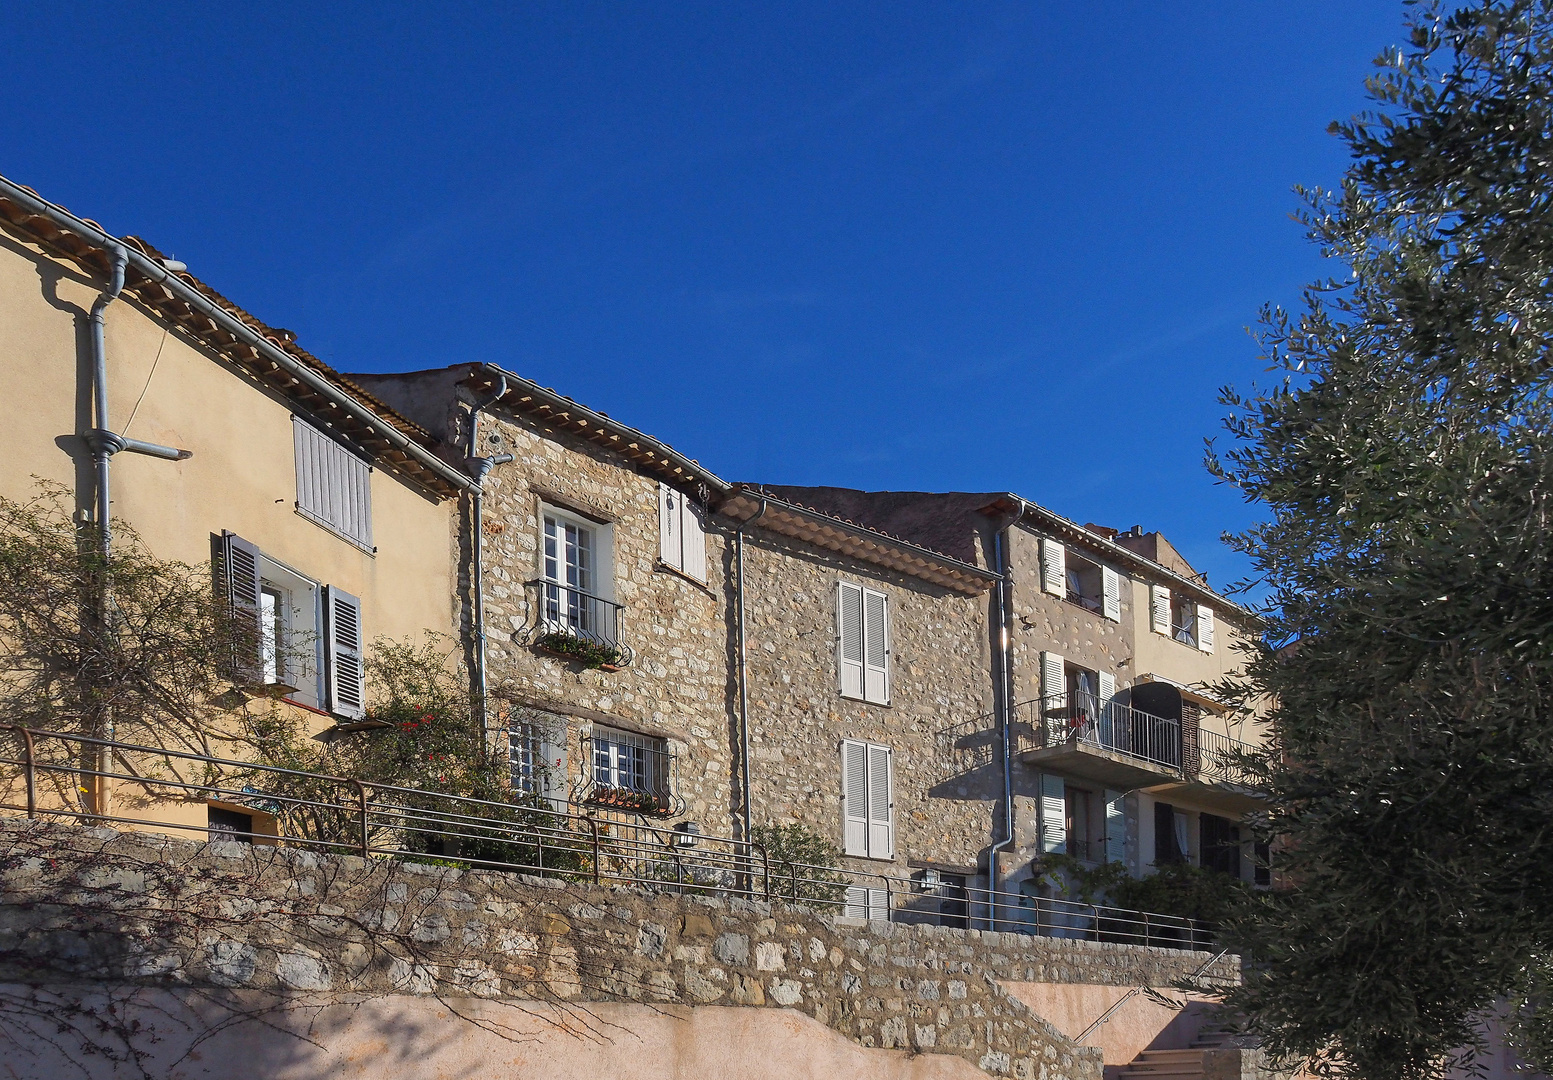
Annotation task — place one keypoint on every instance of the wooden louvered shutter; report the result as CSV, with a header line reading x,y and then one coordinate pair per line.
x,y
1107,688
693,536
1115,826
1159,609
669,547
1205,628
334,486
1054,813
854,797
849,638
1054,690
239,569
865,903
1111,594
1054,567
876,647
881,803
347,673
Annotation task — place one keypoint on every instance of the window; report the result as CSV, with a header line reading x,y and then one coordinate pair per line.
x,y
229,825
292,635
575,576
1219,844
1080,581
1084,586
334,486
863,642
867,800
628,770
1085,824
536,747
1171,844
1183,621
681,533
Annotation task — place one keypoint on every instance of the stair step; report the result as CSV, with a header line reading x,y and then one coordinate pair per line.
x,y
1131,1073
1149,1056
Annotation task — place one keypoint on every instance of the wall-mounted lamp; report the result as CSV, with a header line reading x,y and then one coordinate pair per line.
x,y
686,834
930,880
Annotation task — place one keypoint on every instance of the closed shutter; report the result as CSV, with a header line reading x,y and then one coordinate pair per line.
x,y
876,647
849,638
1205,628
669,545
1159,609
1054,691
693,535
334,486
881,803
865,903
1111,593
1115,827
347,674
1054,567
854,797
239,569
1054,814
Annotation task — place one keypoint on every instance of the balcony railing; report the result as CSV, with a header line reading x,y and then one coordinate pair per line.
x,y
45,775
577,625
1106,724
1223,758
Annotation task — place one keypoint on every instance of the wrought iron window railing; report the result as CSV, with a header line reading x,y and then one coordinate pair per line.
x,y
1223,758
576,624
628,772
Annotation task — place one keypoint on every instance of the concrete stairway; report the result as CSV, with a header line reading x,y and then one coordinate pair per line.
x,y
1176,1064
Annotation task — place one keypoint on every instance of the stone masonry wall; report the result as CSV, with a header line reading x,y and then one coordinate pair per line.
x,y
100,907
940,678
676,688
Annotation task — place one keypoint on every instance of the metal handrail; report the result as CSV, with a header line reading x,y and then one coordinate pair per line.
x,y
1220,758
1105,723
1143,988
372,820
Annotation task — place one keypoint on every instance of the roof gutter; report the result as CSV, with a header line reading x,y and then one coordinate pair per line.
x,y
151,268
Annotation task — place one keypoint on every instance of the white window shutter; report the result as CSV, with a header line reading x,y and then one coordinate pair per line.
x,y
1054,567
1205,628
881,803
334,486
849,638
240,576
876,647
1111,593
1053,681
669,546
1115,826
693,535
854,797
347,672
1054,814
1107,688
865,903
1159,609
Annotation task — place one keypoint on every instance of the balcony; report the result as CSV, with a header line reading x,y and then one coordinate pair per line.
x,y
575,625
1102,740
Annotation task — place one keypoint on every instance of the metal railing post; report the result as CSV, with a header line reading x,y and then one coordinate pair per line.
x,y
32,776
593,826
361,802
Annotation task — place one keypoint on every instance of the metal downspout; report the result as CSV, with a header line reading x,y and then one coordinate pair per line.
x,y
100,439
1005,693
744,694
480,467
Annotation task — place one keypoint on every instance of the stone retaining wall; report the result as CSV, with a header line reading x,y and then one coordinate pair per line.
x,y
98,906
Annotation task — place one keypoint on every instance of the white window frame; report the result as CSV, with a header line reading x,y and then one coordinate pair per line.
x,y
285,660
614,750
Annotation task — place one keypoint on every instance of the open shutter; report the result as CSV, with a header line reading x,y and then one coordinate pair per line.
x,y
1111,593
347,675
1115,826
693,537
881,803
876,647
239,567
1054,567
1107,688
1159,609
669,545
1054,691
854,797
1205,628
1054,814
849,635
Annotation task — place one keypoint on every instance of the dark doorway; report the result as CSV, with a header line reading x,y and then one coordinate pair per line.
x,y
1220,845
230,825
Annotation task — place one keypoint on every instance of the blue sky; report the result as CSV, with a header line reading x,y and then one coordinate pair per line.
x,y
886,246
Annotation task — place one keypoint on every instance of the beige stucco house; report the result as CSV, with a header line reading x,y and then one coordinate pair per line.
x,y
325,514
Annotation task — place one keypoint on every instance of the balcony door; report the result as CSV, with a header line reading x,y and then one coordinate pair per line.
x,y
569,574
